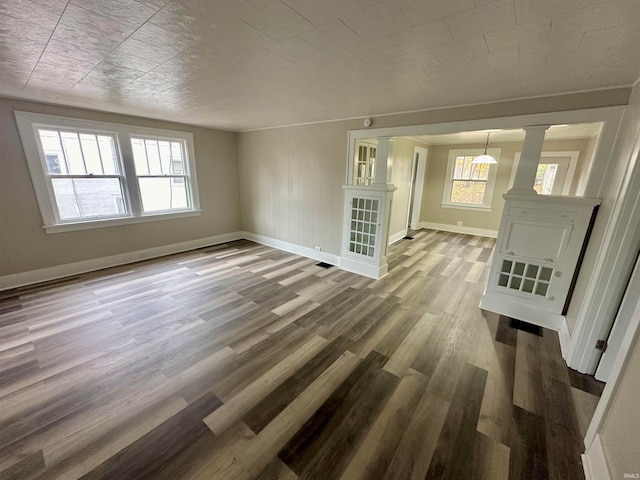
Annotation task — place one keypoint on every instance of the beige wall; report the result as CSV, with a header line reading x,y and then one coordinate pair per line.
x,y
24,245
584,167
435,176
291,183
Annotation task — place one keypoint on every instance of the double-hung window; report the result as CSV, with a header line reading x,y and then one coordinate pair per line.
x,y
469,185
93,174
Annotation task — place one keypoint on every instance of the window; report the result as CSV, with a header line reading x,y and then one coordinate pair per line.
x,y
365,163
469,185
92,174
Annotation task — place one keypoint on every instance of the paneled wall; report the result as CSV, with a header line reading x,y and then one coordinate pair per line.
x,y
25,246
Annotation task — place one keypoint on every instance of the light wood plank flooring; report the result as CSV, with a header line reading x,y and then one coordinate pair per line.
x,y
240,362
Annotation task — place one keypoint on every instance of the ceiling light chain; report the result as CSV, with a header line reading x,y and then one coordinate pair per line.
x,y
485,158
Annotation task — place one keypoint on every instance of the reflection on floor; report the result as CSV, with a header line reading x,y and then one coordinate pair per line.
x,y
241,361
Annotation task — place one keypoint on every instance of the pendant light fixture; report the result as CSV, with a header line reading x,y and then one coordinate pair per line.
x,y
484,158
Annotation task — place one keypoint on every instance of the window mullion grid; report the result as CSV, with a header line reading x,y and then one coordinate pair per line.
x,y
84,162
130,177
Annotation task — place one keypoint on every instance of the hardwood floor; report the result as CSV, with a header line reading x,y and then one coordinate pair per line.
x,y
240,361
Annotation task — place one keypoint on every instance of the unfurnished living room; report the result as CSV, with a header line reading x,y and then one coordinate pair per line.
x,y
303,239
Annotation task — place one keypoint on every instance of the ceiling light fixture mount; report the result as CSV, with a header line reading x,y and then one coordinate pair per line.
x,y
485,158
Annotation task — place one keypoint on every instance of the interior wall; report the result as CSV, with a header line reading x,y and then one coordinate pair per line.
x,y
307,165
401,173
291,183
26,246
620,429
432,211
584,167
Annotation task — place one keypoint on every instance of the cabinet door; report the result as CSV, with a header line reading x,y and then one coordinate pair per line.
x,y
546,242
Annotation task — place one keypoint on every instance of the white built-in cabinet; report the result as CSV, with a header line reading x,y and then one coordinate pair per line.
x,y
537,256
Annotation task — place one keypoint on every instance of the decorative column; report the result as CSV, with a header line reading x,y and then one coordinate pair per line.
x,y
538,250
367,211
527,168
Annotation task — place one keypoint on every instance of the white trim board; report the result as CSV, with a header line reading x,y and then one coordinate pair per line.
x,y
445,227
594,462
397,236
76,268
292,248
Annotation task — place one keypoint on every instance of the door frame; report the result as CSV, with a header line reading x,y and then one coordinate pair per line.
x,y
419,156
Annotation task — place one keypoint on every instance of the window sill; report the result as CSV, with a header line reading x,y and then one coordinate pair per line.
x,y
112,222
464,206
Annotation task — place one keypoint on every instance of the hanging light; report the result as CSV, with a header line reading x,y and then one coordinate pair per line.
x,y
484,158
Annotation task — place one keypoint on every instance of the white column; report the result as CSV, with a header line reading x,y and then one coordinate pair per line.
x,y
531,150
384,161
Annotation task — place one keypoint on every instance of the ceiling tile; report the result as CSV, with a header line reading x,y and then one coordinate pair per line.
x,y
45,13
323,12
180,19
420,12
48,72
487,18
278,20
526,34
80,44
424,37
95,24
381,19
143,50
158,36
303,60
125,11
541,10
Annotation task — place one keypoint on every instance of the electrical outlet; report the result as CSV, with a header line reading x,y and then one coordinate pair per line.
x,y
318,249
459,223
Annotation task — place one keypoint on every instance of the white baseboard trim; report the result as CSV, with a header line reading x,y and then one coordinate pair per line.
x,y
565,339
397,236
594,462
445,227
365,269
76,268
293,248
510,308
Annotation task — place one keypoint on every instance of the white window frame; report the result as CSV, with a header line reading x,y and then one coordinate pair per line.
x,y
28,125
491,180
368,162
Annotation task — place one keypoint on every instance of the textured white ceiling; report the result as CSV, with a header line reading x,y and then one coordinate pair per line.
x,y
555,132
243,64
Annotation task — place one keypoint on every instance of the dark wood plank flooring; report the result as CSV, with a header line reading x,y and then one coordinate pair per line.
x,y
244,362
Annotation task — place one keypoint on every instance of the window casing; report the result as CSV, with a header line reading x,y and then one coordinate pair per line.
x,y
93,174
469,186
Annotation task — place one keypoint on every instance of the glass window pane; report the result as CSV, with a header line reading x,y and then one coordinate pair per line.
x,y
53,154
88,197
153,157
73,154
139,156
177,159
457,171
91,154
108,152
519,268
545,274
165,157
463,191
163,194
